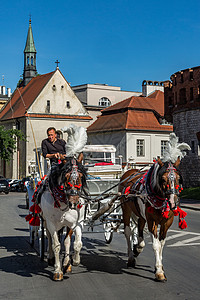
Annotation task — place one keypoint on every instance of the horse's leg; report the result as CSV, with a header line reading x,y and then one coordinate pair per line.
x,y
58,274
162,237
67,267
77,245
137,249
128,234
157,245
51,257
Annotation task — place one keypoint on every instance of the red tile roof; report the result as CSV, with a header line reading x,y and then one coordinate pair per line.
x,y
131,120
155,101
134,113
23,97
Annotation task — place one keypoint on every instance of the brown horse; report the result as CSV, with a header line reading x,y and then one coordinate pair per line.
x,y
152,196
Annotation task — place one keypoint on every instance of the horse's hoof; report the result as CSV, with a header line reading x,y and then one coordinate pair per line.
x,y
58,276
131,263
67,269
51,261
160,277
76,263
135,252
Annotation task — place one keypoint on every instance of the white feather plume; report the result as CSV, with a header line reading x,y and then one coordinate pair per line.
x,y
174,149
77,139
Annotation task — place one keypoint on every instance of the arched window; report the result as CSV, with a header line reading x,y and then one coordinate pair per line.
x,y
28,60
104,102
31,60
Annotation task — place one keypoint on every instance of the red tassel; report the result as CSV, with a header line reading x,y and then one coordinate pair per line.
x,y
70,184
127,190
165,214
150,209
78,186
182,224
182,213
176,212
28,217
37,209
35,221
79,206
32,208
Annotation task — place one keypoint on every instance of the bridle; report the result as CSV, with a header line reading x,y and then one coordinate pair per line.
x,y
174,189
72,185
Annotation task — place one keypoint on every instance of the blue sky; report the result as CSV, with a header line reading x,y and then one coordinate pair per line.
x,y
117,42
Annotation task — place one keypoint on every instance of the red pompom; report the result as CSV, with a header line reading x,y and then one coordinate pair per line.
x,y
165,214
37,209
35,221
79,206
176,212
182,213
28,217
182,224
32,208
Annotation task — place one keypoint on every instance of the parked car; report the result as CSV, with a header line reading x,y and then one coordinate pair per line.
x,y
4,186
15,185
23,183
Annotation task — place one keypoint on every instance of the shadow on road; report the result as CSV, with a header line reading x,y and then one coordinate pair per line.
x,y
20,258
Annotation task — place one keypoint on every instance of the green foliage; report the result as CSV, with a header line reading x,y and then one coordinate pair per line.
x,y
8,138
191,193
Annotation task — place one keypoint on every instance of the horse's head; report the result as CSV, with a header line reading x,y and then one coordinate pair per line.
x,y
73,180
170,180
72,176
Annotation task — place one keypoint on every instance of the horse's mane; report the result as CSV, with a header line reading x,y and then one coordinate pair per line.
x,y
59,171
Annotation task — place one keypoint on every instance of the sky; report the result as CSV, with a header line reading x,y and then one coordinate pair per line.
x,y
114,42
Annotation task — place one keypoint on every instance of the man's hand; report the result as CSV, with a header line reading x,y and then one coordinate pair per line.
x,y
57,155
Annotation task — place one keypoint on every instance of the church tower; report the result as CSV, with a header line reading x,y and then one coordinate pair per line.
x,y
29,57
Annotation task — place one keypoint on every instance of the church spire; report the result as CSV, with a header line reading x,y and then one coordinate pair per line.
x,y
29,57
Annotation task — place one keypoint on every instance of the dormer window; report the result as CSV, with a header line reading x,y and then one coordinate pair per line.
x,y
104,101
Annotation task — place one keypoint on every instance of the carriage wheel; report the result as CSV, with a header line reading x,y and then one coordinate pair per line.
x,y
41,239
108,232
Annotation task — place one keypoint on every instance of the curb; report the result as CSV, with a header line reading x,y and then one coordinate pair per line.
x,y
189,207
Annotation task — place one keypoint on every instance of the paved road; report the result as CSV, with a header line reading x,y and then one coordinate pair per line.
x,y
103,273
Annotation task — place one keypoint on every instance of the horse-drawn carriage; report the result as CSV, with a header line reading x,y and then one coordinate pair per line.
x,y
62,200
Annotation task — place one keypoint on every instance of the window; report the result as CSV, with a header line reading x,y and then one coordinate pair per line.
x,y
182,96
31,60
28,60
104,102
191,75
181,77
48,106
67,104
140,147
163,147
175,98
191,94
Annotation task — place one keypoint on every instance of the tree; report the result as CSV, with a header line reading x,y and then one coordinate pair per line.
x,y
8,138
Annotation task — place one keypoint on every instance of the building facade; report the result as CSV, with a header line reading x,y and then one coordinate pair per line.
x,y
96,97
135,126
182,107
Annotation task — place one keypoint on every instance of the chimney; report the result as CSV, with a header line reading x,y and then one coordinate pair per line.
x,y
9,92
3,90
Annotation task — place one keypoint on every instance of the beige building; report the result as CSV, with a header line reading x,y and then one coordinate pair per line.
x,y
96,97
46,101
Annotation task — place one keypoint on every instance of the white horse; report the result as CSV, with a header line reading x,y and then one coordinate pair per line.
x,y
62,205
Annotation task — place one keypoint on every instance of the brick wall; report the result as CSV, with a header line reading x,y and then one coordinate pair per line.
x,y
182,107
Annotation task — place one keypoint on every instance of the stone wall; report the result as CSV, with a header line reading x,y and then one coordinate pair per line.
x,y
186,125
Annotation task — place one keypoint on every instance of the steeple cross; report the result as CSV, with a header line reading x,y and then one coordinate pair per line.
x,y
57,62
